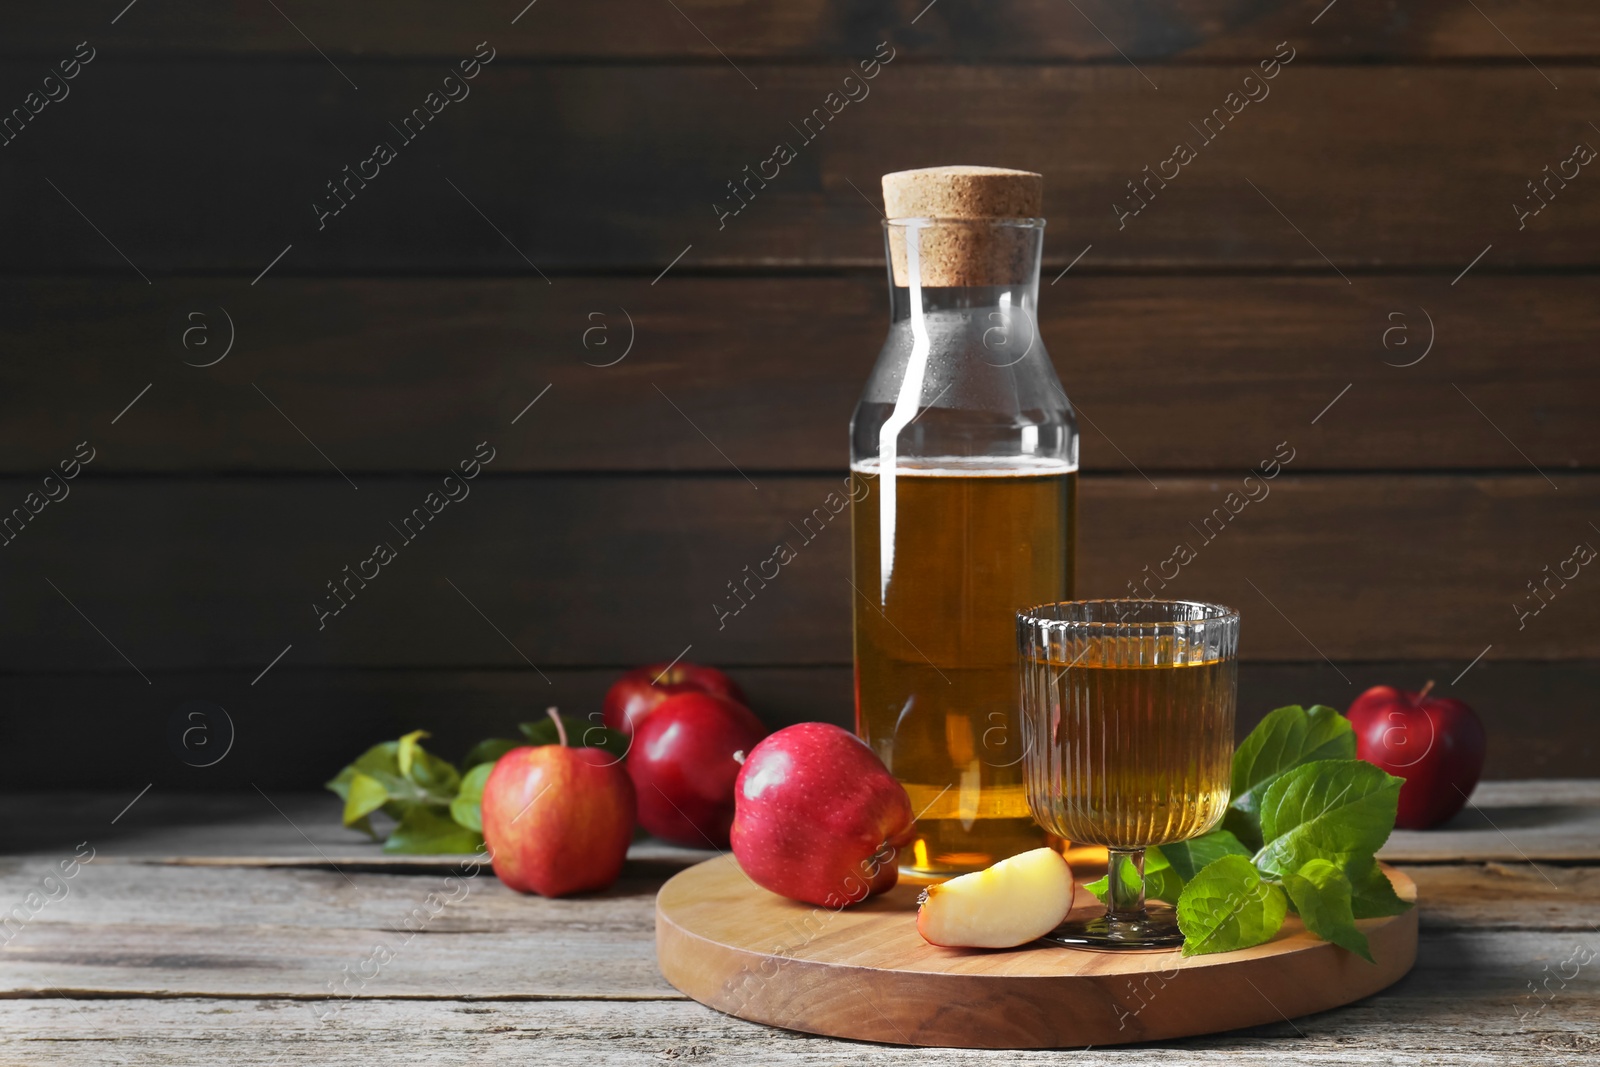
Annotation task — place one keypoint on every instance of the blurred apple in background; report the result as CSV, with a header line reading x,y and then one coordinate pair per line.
x,y
685,756
557,820
819,818
1435,743
637,693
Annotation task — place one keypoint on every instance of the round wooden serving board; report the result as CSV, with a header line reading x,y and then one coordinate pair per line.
x,y
866,973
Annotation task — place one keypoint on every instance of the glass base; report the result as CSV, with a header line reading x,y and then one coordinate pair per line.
x,y
1158,929
925,876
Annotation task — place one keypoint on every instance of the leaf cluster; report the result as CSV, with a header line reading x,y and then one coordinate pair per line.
x,y
1303,826
434,807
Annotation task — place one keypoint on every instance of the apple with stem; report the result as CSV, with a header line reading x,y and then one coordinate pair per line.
x,y
557,820
818,817
638,692
1435,743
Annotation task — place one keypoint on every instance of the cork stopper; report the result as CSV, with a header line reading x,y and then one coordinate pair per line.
x,y
960,250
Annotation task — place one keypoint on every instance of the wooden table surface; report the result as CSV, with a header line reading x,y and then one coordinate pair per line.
x,y
247,929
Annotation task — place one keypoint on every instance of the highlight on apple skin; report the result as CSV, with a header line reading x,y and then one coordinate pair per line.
x,y
1437,744
557,820
818,818
1018,900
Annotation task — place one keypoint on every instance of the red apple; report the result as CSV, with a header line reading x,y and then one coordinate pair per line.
x,y
636,693
819,818
1435,743
684,759
557,820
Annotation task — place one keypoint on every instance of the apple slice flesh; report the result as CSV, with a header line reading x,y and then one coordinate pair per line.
x,y
1011,903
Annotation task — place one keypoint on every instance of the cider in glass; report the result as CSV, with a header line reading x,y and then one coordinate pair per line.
x,y
1137,753
1129,705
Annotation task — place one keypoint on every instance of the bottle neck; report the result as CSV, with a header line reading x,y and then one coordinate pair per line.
x,y
980,268
983,255
979,300
963,371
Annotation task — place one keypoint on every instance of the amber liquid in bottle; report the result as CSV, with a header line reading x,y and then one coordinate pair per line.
x,y
943,559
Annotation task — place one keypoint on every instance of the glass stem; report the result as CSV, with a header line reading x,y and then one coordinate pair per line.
x,y
1125,885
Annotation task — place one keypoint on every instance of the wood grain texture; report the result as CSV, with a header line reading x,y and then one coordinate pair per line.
x,y
1511,823
953,29
298,731
297,728
394,374
164,930
266,828
1519,822
620,167
174,962
1417,1022
865,973
540,570
159,929
1540,896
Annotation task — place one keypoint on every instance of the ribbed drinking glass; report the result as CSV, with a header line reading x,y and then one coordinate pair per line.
x,y
1128,710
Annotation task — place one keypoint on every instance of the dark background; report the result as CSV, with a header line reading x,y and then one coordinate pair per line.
x,y
459,285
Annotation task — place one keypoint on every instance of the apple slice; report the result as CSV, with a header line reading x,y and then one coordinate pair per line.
x,y
1013,902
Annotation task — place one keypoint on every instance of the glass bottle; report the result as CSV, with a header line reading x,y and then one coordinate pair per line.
x,y
964,459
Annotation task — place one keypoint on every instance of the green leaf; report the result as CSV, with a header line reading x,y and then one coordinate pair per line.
x,y
410,745
1244,823
424,830
1163,885
467,808
1188,858
379,762
1321,894
1161,882
1227,906
1167,868
340,783
364,795
579,735
1331,807
435,780
488,751
1372,895
401,779
1287,738
426,778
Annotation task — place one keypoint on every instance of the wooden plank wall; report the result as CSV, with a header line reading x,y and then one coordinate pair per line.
x,y
1342,268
